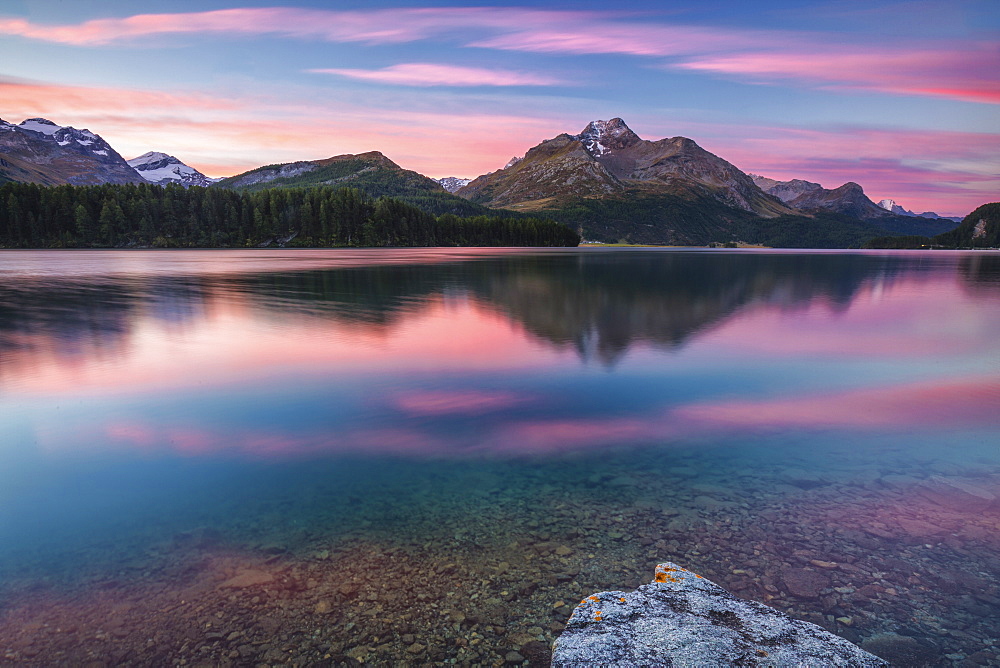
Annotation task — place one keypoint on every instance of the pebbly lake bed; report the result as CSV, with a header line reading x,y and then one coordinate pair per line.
x,y
430,456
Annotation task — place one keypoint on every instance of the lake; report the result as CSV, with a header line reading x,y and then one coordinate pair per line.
x,y
430,456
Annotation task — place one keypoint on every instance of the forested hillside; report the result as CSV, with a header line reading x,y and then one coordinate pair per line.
x,y
370,172
118,216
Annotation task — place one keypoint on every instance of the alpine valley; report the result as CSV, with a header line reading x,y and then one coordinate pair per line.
x,y
606,183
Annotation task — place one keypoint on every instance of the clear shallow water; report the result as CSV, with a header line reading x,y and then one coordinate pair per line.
x,y
419,455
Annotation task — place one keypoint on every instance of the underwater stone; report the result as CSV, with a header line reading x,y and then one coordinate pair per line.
x,y
682,619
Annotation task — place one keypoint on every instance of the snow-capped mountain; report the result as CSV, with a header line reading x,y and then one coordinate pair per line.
x,y
453,183
40,151
600,137
890,205
161,169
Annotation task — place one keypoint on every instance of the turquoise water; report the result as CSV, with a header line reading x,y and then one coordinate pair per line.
x,y
430,456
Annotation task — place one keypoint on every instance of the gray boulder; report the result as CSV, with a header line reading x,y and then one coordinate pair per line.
x,y
682,619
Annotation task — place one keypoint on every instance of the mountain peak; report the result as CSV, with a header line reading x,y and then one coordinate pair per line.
x,y
599,137
41,125
151,156
161,169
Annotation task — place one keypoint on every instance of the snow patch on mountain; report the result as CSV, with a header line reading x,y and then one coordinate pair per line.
x,y
890,205
161,169
65,135
600,137
453,183
41,125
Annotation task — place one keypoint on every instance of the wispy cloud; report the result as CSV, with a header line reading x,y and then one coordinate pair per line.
x,y
969,74
381,26
961,71
430,74
604,35
26,96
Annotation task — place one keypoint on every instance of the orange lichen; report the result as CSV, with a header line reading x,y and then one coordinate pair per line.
x,y
595,598
622,599
597,616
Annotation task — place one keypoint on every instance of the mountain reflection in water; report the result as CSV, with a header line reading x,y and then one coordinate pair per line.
x,y
600,304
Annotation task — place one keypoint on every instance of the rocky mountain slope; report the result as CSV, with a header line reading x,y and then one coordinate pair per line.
x,y
608,160
39,151
161,169
849,199
371,172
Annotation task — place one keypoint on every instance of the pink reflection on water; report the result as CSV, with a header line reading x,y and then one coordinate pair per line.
x,y
963,402
543,436
910,317
468,402
950,404
153,356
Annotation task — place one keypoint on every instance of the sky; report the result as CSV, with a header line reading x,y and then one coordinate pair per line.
x,y
902,97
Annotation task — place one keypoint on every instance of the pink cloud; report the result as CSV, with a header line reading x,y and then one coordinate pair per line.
x,y
377,26
941,405
965,72
969,74
597,35
225,135
471,402
430,74
23,95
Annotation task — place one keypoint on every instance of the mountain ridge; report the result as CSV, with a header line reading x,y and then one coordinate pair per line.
x,y
371,172
891,205
614,186
40,151
606,181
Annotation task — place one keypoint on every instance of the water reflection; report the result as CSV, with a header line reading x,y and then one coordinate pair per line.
x,y
515,429
600,304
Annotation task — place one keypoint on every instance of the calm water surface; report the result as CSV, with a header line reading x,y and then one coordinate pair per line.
x,y
429,456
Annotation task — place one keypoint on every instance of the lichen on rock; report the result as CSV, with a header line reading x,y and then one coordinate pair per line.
x,y
682,619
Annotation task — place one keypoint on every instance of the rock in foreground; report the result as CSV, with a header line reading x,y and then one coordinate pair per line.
x,y
682,619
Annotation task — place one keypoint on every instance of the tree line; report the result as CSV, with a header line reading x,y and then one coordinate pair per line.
x,y
146,215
